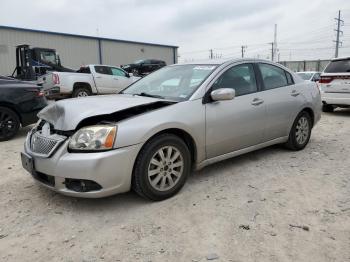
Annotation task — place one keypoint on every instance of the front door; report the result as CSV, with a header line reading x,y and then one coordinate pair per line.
x,y
239,123
103,79
121,80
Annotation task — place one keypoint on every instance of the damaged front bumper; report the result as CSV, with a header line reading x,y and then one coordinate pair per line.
x,y
89,175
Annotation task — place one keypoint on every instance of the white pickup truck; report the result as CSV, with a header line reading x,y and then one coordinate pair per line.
x,y
88,80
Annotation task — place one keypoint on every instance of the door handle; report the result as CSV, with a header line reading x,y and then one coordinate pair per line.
x,y
98,76
257,101
295,93
115,78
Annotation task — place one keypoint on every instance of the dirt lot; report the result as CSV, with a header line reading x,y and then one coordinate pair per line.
x,y
238,210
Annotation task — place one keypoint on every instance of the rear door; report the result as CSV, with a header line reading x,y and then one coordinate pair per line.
x,y
336,77
282,98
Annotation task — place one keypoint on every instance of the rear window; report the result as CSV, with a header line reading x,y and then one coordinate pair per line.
x,y
305,76
338,66
84,70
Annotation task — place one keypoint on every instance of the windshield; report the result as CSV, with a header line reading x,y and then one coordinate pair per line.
x,y
338,66
177,82
305,76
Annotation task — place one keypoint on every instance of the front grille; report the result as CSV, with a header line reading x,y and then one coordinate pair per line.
x,y
44,146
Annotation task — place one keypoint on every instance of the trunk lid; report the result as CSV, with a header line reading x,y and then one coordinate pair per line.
x,y
46,81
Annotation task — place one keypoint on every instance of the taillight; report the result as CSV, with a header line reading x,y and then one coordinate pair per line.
x,y
326,79
37,92
56,79
40,94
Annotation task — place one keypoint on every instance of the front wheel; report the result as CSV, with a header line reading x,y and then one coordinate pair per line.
x,y
300,133
9,123
161,168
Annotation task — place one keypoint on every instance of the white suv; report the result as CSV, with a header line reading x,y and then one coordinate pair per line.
x,y
335,84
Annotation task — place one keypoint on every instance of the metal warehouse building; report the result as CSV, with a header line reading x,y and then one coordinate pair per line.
x,y
77,50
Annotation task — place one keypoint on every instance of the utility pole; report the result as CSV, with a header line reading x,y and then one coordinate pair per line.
x,y
337,42
274,43
243,48
272,51
211,53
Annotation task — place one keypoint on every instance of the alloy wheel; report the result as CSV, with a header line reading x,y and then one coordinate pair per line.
x,y
82,94
165,168
302,130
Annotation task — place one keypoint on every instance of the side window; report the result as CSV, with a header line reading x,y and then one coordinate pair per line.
x,y
117,72
240,77
273,76
103,70
290,80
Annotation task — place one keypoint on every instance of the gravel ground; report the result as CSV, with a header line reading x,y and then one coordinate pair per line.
x,y
269,205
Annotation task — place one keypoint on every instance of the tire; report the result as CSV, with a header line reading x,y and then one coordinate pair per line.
x,y
81,92
327,108
300,132
9,123
151,178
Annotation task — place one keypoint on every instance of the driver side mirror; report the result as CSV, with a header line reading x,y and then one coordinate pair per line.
x,y
129,75
223,94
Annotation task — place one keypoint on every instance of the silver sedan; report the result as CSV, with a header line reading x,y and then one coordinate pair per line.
x,y
181,118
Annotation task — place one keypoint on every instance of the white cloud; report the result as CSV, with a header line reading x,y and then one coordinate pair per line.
x,y
193,25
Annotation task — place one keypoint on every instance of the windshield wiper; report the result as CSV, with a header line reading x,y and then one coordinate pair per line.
x,y
148,95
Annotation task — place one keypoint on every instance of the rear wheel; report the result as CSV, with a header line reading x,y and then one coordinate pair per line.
x,y
327,108
162,167
9,123
300,133
81,92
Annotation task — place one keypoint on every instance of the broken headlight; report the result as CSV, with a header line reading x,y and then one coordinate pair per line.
x,y
93,138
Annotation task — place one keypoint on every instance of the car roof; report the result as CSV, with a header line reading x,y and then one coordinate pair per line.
x,y
341,58
223,61
100,65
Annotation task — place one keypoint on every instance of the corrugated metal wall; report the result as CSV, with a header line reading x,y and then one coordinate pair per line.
x,y
75,51
114,53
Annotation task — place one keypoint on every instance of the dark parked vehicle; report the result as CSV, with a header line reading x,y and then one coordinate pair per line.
x,y
144,67
19,104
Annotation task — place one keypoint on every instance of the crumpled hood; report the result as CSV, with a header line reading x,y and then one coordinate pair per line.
x,y
65,115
